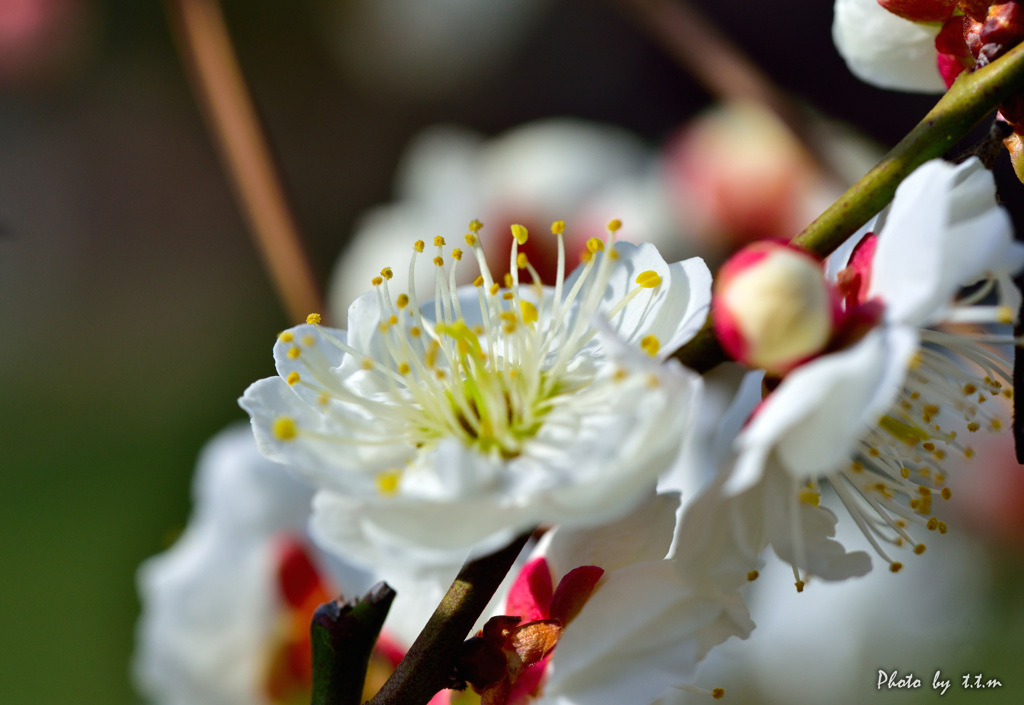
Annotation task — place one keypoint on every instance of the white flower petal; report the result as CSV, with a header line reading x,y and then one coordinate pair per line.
x,y
886,50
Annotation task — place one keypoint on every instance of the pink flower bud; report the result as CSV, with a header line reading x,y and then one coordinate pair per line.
x,y
920,10
772,307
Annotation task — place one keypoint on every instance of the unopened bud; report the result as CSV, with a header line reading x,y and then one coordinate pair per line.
x,y
975,9
772,308
1015,146
920,10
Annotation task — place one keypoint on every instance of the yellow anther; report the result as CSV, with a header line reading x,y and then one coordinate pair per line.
x,y
905,472
508,317
873,452
508,280
475,225
752,575
292,378
457,254
415,332
932,524
650,345
419,245
903,432
286,336
284,428
942,527
529,311
800,585
648,279
595,244
924,491
996,425
1008,393
614,225
520,234
479,330
438,241
915,503
308,340
946,493
973,426
387,273
494,288
969,452
586,256
403,368
857,466
470,239
620,374
377,281
521,260
614,254
1004,314
928,446
313,318
718,693
402,301
293,353
900,523
366,364
969,389
438,261
939,454
558,227
809,497
479,281
931,409
387,482
895,567
508,296
920,548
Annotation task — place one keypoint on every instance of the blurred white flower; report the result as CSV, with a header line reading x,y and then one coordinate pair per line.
x,y
558,169
491,409
625,624
226,610
894,394
886,50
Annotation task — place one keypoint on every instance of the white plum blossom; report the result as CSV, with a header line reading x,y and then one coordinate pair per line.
x,y
900,386
626,624
886,50
226,610
471,418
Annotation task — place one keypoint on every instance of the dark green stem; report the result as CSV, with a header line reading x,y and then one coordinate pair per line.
x,y
968,101
428,665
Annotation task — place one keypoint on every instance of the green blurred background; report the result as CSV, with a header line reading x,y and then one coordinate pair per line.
x,y
134,311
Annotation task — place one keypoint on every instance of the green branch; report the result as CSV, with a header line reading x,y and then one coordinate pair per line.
x,y
972,97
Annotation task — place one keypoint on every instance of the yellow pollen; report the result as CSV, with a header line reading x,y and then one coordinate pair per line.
x,y
718,693
479,281
895,567
457,254
558,227
752,575
939,454
1004,314
915,395
916,361
366,364
403,300
293,353
931,409
403,368
438,261
520,234
494,288
508,296
996,425
932,524
286,337
924,491
920,548
648,279
942,527
1008,393
857,466
479,330
614,225
904,472
946,493
586,256
928,447
415,332
614,254
438,241
973,426
969,452
595,245
313,318
284,428
529,311
508,280
810,497
419,245
650,345
970,389
393,320
620,374
377,281
292,378
308,341
475,225
387,482
508,317
900,523
470,239
903,432
873,452
800,585
915,503
387,273
521,260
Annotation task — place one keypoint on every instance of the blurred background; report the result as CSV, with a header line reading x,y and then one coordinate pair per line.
x,y
134,309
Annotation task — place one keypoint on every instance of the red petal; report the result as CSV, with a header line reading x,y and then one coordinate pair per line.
x,y
530,596
573,591
297,576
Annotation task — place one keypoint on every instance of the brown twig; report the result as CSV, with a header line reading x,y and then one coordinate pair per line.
x,y
205,47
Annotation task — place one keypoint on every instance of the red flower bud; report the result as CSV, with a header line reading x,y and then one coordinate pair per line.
x,y
975,9
920,10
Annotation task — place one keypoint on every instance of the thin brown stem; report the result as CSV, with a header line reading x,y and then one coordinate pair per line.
x,y
217,80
